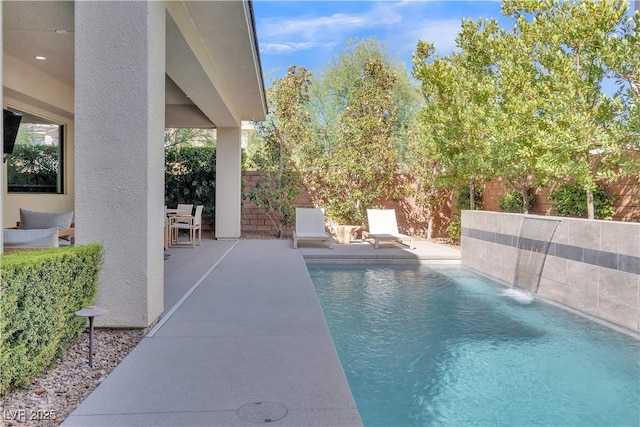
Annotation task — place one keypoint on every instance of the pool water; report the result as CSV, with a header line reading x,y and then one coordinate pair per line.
x,y
443,346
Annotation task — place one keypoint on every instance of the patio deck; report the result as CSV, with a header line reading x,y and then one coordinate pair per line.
x,y
242,325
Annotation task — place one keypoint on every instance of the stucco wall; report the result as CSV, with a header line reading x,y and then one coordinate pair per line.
x,y
592,266
119,126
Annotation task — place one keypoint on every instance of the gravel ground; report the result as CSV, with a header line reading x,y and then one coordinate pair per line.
x,y
52,396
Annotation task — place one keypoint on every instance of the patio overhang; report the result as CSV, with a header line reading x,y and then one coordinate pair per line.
x,y
213,69
216,66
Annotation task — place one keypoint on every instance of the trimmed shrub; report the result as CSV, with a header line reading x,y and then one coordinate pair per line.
x,y
190,177
512,202
454,229
570,199
41,291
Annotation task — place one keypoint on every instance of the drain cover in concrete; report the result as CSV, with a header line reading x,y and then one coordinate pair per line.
x,y
262,412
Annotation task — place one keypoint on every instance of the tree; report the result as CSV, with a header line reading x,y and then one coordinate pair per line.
x,y
33,164
574,53
522,143
550,112
333,87
286,127
360,169
192,136
453,122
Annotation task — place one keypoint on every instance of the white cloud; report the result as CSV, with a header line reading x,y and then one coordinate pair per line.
x,y
305,26
441,33
317,32
309,26
324,30
286,47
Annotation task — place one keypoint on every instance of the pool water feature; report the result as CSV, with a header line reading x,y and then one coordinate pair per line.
x,y
441,345
532,246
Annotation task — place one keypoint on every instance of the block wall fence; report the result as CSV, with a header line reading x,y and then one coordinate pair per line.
x,y
411,219
626,191
591,266
409,215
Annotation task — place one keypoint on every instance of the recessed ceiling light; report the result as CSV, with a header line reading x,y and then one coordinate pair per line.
x,y
61,31
40,58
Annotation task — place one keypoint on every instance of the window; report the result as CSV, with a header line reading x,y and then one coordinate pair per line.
x,y
36,164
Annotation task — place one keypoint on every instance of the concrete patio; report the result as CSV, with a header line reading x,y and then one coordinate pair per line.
x,y
242,341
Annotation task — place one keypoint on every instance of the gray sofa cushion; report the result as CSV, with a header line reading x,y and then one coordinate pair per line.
x,y
30,220
35,238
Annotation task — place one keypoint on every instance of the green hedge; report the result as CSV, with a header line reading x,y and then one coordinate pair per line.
x,y
570,199
40,292
512,202
190,177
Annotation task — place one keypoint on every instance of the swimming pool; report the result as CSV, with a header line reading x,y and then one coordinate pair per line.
x,y
441,345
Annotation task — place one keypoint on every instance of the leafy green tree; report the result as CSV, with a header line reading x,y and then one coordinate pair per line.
x,y
32,164
191,136
333,88
360,169
286,127
453,122
566,54
521,142
430,197
549,112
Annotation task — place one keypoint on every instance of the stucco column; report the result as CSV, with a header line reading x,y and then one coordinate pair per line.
x,y
119,154
228,183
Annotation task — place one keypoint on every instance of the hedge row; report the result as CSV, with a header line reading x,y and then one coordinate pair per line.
x,y
40,292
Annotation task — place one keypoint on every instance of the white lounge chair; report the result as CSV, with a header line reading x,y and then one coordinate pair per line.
x,y
310,226
383,226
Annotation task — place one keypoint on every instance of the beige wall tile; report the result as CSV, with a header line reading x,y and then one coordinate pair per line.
x,y
507,263
581,300
584,233
492,259
583,276
511,224
551,289
619,286
494,223
562,233
618,313
555,269
621,238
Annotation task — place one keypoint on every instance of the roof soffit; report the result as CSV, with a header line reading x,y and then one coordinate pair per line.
x,y
211,57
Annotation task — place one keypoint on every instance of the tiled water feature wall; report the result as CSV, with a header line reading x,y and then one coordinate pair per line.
x,y
591,266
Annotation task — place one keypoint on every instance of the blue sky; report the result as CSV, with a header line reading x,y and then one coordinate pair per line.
x,y
310,33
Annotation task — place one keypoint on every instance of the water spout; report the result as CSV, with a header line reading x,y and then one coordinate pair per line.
x,y
533,244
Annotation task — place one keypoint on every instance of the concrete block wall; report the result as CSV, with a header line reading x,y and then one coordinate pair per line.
x,y
592,266
254,220
625,190
411,218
